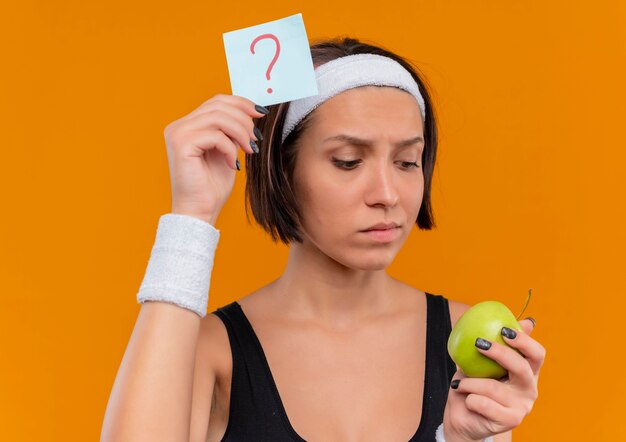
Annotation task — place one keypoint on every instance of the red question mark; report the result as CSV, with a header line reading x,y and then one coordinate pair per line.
x,y
269,69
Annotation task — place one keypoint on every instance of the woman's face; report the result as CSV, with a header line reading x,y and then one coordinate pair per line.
x,y
359,164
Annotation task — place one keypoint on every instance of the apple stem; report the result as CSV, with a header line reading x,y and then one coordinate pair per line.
x,y
530,292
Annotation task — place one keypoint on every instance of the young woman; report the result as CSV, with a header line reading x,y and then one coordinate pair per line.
x,y
335,349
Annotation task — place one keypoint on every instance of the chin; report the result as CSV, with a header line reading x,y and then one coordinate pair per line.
x,y
372,260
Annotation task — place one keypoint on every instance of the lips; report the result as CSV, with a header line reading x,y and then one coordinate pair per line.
x,y
382,226
383,232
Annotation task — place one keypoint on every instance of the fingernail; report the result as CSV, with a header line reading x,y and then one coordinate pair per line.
x,y
237,164
508,333
254,147
532,320
261,109
455,384
483,344
258,134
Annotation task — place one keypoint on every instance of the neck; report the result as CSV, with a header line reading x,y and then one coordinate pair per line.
x,y
316,288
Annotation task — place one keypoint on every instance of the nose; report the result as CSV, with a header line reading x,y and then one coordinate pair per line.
x,y
382,190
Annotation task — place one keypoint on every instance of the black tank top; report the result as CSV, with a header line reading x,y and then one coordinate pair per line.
x,y
256,409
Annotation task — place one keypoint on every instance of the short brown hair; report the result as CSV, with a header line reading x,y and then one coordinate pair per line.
x,y
269,187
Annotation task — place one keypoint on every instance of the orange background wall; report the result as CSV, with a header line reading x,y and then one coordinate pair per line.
x,y
528,191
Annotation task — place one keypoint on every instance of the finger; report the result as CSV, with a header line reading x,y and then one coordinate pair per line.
x,y
519,369
528,324
459,373
236,114
207,140
457,377
532,350
239,123
222,120
502,418
242,103
491,388
196,122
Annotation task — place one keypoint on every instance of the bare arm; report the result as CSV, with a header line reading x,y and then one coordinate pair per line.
x,y
151,395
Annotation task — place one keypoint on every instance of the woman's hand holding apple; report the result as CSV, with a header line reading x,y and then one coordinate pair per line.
x,y
479,407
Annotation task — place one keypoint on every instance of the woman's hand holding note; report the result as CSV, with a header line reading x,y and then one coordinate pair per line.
x,y
202,153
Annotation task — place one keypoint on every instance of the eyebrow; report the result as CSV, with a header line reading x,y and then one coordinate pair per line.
x,y
367,143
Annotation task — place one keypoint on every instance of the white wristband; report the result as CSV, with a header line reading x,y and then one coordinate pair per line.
x,y
179,270
439,435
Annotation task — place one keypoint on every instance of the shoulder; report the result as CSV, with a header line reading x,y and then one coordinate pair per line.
x,y
456,310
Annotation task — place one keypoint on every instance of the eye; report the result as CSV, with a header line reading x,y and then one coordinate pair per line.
x,y
348,165
409,164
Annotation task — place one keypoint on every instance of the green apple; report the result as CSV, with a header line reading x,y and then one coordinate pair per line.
x,y
483,320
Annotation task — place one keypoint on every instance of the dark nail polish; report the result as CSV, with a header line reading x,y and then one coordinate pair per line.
x,y
254,147
455,384
237,164
261,109
483,344
508,333
258,134
532,320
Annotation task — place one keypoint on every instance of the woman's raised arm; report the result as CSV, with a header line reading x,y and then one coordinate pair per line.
x,y
151,398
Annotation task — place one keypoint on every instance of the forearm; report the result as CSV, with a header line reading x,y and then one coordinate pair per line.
x,y
151,397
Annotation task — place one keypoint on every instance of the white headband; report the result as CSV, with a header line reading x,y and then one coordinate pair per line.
x,y
350,72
